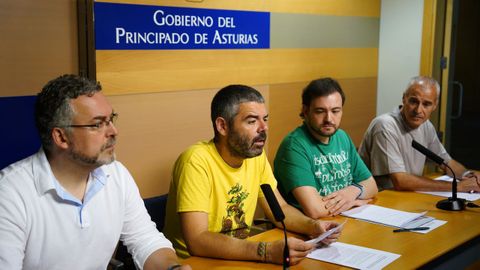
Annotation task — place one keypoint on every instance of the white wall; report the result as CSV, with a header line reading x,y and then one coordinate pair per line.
x,y
399,50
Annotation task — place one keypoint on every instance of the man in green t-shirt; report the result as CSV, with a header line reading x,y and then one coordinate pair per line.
x,y
317,166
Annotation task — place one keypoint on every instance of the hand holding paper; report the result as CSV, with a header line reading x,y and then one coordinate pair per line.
x,y
326,234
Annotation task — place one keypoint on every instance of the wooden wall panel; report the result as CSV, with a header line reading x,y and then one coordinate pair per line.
x,y
368,8
285,106
155,128
360,106
124,72
38,43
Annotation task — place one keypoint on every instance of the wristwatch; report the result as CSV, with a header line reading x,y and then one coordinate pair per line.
x,y
360,187
467,173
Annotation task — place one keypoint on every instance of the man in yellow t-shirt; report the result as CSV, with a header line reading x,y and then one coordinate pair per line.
x,y
216,187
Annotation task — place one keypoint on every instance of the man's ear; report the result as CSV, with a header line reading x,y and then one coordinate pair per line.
x,y
222,126
60,138
404,98
304,111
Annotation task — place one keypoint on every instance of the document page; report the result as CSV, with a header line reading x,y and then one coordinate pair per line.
x,y
432,225
462,195
384,215
326,234
353,256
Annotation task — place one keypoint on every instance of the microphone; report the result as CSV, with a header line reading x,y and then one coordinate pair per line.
x,y
273,203
452,203
427,153
279,216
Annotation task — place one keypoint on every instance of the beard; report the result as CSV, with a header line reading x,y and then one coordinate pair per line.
x,y
95,159
318,130
242,146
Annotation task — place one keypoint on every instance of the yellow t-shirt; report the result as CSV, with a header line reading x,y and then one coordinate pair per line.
x,y
202,181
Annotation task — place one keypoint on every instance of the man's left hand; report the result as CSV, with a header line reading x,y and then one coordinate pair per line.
x,y
342,200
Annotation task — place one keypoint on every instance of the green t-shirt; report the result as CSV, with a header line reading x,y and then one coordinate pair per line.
x,y
301,160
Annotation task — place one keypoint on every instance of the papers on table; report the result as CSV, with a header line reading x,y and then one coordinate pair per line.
x,y
392,217
432,225
463,195
326,234
353,256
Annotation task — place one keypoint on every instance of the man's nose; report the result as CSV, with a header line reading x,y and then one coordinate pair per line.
x,y
328,116
263,126
111,129
418,108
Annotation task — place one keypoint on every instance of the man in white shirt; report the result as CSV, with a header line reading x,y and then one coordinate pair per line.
x,y
68,205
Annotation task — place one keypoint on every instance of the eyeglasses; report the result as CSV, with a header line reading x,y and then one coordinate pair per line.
x,y
99,125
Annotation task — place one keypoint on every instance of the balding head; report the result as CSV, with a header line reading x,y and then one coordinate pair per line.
x,y
425,84
419,100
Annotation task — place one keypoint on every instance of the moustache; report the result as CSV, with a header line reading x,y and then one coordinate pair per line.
x,y
109,143
416,115
261,137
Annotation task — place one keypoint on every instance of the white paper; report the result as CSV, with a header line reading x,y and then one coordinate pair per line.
x,y
326,234
418,222
384,215
353,256
432,225
462,195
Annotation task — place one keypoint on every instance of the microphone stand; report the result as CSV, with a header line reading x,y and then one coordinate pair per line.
x,y
452,203
286,252
279,217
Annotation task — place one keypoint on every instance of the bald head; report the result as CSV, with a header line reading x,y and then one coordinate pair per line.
x,y
419,100
425,84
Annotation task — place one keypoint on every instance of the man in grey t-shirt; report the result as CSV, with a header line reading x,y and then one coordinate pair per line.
x,y
387,148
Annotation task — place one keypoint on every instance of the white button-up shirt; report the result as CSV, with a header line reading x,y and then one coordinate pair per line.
x,y
42,226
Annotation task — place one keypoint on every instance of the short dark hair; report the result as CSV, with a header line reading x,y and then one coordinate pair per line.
x,y
226,100
52,107
321,88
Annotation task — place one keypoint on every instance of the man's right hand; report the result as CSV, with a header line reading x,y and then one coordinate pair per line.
x,y
298,250
467,184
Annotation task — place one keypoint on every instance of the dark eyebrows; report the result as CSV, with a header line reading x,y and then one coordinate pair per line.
x,y
413,99
428,102
254,116
103,118
417,100
325,109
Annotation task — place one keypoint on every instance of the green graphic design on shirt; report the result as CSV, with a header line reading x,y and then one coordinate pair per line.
x,y
234,223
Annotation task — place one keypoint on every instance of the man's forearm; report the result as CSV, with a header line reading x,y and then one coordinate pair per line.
x,y
217,245
369,188
458,168
410,182
296,221
161,259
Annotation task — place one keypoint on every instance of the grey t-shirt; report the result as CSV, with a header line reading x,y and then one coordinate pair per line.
x,y
387,147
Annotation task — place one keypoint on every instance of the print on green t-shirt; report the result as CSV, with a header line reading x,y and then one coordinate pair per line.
x,y
332,171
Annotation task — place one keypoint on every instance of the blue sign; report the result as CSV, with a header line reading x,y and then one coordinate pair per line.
x,y
144,27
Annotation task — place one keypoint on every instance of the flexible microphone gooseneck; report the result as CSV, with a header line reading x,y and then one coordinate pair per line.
x,y
452,203
279,216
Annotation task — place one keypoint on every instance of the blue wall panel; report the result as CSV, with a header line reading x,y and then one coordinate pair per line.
x,y
18,136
